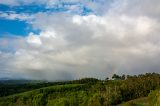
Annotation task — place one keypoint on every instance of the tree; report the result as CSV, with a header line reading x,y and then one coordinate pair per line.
x,y
115,77
123,77
107,79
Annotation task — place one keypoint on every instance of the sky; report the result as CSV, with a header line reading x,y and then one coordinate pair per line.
x,y
72,39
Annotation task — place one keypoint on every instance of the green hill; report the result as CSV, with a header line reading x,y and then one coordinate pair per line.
x,y
153,99
44,96
92,92
143,101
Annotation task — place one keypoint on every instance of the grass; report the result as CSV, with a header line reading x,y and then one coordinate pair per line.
x,y
153,99
59,95
55,87
73,95
144,101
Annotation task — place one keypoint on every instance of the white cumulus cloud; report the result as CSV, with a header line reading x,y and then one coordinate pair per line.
x,y
123,40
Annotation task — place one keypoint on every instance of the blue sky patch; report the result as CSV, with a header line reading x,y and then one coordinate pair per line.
x,y
13,27
22,28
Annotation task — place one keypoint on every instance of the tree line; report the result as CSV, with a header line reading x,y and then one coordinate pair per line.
x,y
88,91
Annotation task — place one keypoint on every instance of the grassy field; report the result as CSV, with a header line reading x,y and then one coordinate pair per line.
x,y
54,95
70,95
134,91
144,101
153,99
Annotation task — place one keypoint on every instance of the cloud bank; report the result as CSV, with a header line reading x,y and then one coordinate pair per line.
x,y
123,40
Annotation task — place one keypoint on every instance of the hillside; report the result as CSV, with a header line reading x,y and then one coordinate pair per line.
x,y
143,101
92,92
153,99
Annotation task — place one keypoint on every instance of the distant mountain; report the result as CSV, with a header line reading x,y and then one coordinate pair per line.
x,y
4,78
12,78
17,81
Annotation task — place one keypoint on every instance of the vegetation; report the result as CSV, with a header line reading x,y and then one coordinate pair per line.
x,y
152,100
89,92
143,101
9,87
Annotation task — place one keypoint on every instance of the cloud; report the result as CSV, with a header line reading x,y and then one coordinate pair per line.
x,y
16,16
8,2
33,39
18,2
71,6
121,40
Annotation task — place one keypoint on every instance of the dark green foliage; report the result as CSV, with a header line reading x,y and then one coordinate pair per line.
x,y
107,79
117,77
11,87
87,92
